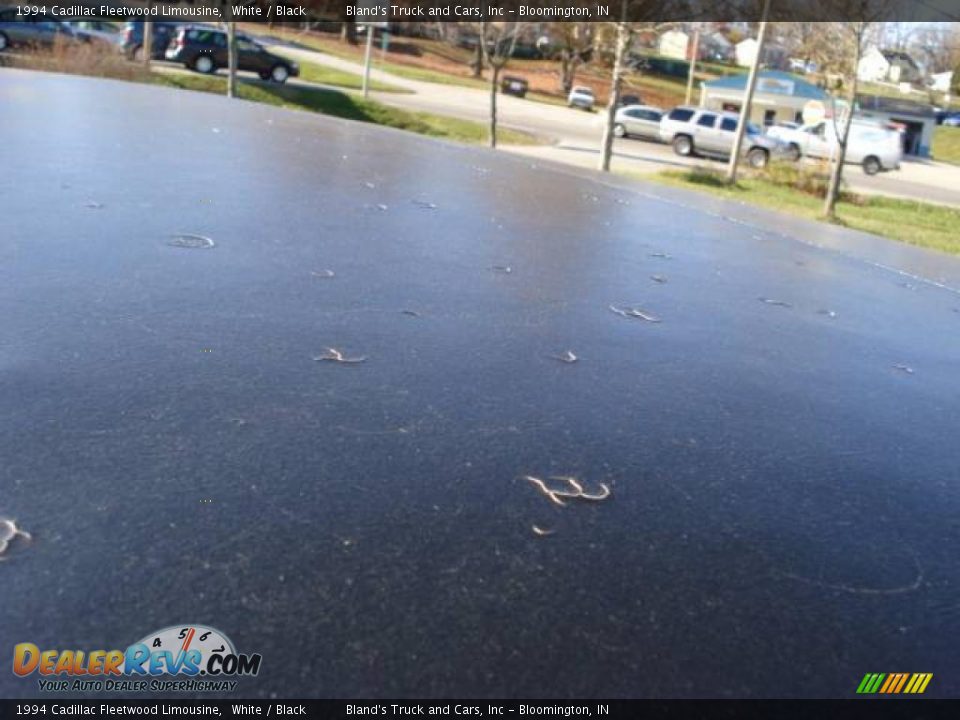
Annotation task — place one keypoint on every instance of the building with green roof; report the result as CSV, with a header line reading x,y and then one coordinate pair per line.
x,y
779,96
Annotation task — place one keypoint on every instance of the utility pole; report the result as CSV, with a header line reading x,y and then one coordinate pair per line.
x,y
693,64
366,61
748,98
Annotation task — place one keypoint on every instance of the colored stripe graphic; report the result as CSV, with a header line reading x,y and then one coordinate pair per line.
x,y
894,683
918,683
870,683
903,680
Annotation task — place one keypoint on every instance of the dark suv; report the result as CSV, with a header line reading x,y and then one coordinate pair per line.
x,y
132,43
205,49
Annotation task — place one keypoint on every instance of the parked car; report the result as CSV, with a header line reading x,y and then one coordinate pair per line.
x,y
132,42
581,97
872,145
512,85
26,32
97,31
952,120
204,49
629,100
639,121
707,132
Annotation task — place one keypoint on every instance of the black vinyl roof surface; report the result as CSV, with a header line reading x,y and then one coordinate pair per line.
x,y
779,443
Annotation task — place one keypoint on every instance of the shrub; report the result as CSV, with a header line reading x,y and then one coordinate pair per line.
x,y
701,175
80,59
809,180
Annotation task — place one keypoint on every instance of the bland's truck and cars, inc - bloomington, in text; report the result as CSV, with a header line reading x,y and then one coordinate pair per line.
x,y
398,12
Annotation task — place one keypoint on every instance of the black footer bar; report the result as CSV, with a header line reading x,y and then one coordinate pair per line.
x,y
872,709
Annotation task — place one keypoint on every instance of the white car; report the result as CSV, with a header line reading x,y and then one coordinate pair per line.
x,y
872,145
581,97
638,121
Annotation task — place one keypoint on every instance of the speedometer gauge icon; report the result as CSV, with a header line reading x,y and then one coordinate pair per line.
x,y
198,642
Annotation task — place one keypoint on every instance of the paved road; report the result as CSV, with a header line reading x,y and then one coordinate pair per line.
x,y
576,135
784,501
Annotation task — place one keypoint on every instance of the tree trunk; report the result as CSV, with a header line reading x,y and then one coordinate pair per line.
x,y
349,32
693,66
568,71
836,172
606,152
231,57
478,60
147,43
494,77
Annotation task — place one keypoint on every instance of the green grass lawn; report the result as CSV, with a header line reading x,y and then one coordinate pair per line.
x,y
946,144
335,48
673,90
313,72
669,91
884,90
348,106
916,223
316,73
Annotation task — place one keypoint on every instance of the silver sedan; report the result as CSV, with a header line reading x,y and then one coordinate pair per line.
x,y
638,121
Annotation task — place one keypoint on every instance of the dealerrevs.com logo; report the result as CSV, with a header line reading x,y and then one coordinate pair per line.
x,y
186,658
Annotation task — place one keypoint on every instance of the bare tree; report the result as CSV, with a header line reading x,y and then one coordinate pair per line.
x,y
899,35
477,63
574,43
809,41
621,46
623,35
937,46
497,43
463,34
851,39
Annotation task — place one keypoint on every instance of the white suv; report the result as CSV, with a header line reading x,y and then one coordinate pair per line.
x,y
708,132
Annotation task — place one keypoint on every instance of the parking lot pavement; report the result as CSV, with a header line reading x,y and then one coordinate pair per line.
x,y
577,134
917,179
912,182
779,448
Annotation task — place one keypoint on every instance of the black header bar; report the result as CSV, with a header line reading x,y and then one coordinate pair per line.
x,y
655,11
